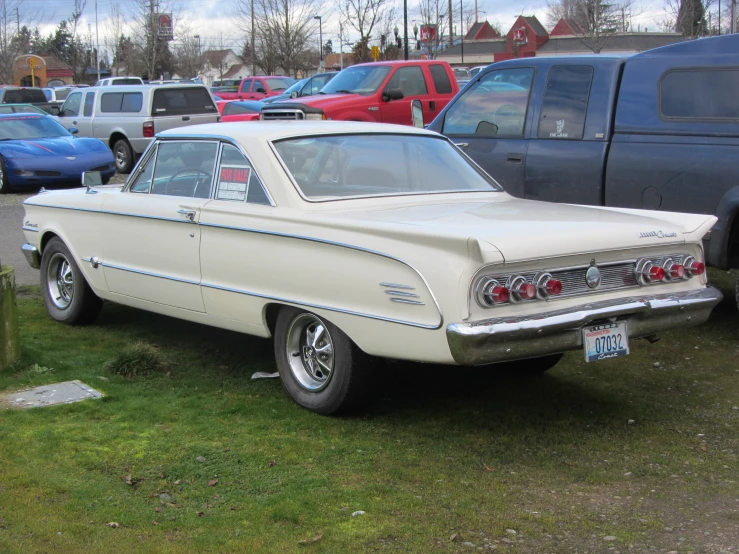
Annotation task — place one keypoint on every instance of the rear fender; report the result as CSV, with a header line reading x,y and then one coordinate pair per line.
x,y
724,234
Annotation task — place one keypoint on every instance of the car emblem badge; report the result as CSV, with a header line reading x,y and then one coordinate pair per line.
x,y
71,157
592,276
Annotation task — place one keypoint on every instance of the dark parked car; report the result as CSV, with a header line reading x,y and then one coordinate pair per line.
x,y
25,95
658,131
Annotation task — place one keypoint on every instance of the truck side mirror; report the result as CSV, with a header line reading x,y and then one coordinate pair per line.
x,y
417,113
294,94
55,111
393,94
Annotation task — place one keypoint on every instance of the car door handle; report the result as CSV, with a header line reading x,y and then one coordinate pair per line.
x,y
462,145
74,123
513,158
189,214
185,118
432,105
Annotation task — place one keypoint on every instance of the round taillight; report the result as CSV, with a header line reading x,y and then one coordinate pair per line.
x,y
654,274
697,268
676,271
527,291
498,293
553,287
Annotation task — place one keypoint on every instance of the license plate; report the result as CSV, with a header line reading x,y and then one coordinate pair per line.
x,y
609,340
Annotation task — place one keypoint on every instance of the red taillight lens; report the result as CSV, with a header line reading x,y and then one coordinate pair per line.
x,y
149,129
498,294
654,274
526,291
676,271
553,287
697,268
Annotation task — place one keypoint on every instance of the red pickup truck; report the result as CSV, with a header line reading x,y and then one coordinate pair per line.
x,y
380,92
257,88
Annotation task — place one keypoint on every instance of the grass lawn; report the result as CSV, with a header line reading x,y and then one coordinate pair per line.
x,y
631,455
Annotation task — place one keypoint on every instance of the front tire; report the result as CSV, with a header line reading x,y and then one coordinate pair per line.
x,y
123,154
4,185
67,296
320,367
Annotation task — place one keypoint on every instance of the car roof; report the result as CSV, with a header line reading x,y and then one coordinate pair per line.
x,y
275,130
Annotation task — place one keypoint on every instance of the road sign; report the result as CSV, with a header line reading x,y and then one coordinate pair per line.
x,y
375,53
31,63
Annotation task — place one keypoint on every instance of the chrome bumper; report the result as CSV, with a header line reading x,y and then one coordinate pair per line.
x,y
511,338
33,256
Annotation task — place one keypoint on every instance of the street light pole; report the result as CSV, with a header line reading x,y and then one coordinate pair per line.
x,y
341,46
97,41
405,27
253,51
198,37
320,36
461,29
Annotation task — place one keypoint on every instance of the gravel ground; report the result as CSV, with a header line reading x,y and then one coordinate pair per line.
x,y
11,235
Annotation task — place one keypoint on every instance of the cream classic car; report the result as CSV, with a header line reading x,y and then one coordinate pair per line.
x,y
346,241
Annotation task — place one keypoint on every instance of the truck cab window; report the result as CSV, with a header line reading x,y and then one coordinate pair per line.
x,y
494,105
409,80
565,103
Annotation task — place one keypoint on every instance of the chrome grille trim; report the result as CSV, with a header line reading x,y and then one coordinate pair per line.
x,y
284,114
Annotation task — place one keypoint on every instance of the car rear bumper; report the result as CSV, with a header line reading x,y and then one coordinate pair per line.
x,y
510,338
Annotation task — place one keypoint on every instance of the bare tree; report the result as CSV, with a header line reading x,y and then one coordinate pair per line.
x,y
187,52
596,21
145,30
434,12
364,16
16,22
561,9
115,27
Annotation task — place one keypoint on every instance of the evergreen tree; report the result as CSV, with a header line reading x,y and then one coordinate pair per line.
x,y
691,19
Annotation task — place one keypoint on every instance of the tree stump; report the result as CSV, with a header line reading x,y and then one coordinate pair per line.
x,y
9,339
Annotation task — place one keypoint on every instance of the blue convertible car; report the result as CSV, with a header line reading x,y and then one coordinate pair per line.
x,y
35,150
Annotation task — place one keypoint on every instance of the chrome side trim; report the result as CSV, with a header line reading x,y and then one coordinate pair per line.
x,y
141,272
401,293
396,286
341,245
108,212
27,228
320,307
513,338
405,301
33,256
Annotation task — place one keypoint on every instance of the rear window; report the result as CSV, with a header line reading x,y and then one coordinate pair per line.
x,y
442,84
127,81
707,94
23,96
182,101
117,102
61,94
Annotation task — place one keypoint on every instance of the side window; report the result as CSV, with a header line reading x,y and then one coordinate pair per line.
x,y
707,94
142,184
72,104
246,85
493,106
184,168
409,80
236,179
89,104
317,83
259,86
565,102
442,84
117,102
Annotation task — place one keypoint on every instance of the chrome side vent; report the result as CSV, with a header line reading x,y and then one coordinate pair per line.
x,y
401,293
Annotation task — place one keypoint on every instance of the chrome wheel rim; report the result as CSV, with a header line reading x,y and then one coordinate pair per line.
x,y
310,352
120,158
60,281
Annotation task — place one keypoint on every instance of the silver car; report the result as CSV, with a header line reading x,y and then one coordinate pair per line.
x,y
127,117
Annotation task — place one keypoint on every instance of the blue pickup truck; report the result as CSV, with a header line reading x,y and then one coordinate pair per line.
x,y
658,130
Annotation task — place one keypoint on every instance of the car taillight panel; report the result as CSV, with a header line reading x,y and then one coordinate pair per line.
x,y
148,129
514,288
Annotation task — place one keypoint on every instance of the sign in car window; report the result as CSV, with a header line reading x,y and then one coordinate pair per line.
x,y
233,182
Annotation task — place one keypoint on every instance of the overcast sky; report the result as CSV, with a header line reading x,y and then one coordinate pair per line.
x,y
211,18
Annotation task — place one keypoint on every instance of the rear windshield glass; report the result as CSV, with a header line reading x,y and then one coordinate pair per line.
x,y
344,166
182,101
23,96
707,94
128,102
61,94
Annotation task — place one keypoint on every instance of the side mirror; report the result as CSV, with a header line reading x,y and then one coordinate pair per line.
x,y
393,94
55,111
417,113
74,130
261,90
294,94
91,179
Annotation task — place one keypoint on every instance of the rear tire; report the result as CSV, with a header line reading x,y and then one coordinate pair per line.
x,y
320,367
4,186
67,296
124,160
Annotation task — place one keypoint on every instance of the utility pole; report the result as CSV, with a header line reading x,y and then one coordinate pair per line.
x,y
341,46
97,41
405,27
18,19
451,25
253,50
461,29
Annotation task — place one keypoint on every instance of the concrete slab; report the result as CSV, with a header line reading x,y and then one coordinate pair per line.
x,y
67,392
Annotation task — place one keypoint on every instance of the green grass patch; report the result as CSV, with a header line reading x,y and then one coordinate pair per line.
x,y
136,360
638,451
